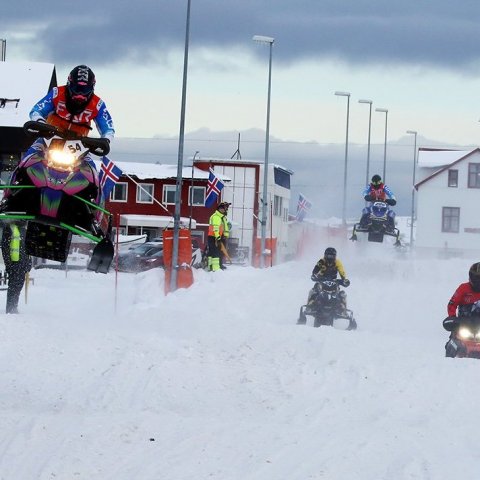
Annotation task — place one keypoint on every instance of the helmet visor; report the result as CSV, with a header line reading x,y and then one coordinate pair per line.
x,y
80,91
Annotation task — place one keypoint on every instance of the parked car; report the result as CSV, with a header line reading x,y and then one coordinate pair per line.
x,y
142,257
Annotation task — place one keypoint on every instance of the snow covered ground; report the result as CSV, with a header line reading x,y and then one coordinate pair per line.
x,y
218,382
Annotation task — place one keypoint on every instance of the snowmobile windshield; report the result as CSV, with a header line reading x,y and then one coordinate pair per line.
x,y
379,209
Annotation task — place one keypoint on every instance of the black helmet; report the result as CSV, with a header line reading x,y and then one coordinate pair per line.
x,y
223,205
376,180
330,255
80,85
474,276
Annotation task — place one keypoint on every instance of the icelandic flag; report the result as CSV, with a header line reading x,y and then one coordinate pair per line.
x,y
302,208
214,187
108,176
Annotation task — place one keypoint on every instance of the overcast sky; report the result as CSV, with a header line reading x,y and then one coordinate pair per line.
x,y
418,59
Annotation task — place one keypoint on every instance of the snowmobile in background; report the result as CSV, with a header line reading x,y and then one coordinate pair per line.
x,y
326,308
57,194
377,226
464,341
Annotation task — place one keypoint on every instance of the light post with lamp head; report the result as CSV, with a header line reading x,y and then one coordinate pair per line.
x,y
269,41
385,111
369,102
344,205
412,132
181,139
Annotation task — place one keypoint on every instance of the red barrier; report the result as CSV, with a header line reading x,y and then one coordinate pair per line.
x,y
184,273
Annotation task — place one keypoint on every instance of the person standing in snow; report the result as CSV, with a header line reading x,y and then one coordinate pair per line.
x,y
216,230
225,236
17,263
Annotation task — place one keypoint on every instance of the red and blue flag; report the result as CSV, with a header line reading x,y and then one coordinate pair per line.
x,y
109,175
214,187
303,207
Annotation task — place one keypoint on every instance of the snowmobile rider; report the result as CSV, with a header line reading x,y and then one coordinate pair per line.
x,y
17,263
378,191
216,230
465,296
327,268
73,107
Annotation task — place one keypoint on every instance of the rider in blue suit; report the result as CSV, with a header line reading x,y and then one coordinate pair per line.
x,y
378,191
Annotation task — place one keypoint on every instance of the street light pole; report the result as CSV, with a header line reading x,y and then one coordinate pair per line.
x,y
191,192
344,206
412,132
269,41
178,189
385,111
369,102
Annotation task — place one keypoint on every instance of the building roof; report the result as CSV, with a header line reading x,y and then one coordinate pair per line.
x,y
145,171
431,157
21,86
240,161
460,156
157,221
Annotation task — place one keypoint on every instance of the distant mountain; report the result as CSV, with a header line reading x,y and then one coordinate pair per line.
x,y
318,168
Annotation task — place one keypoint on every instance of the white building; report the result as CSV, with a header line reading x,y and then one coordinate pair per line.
x,y
448,196
245,193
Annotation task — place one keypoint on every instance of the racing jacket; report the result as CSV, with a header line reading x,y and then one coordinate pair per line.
x,y
464,295
53,109
329,271
379,194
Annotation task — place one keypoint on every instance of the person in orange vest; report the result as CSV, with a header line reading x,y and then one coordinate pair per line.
x,y
17,263
216,230
73,107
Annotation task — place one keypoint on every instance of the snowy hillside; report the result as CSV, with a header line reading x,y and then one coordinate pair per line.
x,y
218,382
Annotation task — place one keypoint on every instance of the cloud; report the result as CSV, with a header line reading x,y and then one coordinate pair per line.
x,y
355,31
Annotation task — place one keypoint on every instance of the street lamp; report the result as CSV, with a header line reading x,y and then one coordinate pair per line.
x,y
369,102
344,206
178,189
385,111
269,41
412,132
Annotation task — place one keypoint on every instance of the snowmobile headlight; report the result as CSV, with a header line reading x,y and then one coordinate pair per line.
x,y
465,333
61,160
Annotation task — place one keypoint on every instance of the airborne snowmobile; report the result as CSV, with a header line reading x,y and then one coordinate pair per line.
x,y
326,308
56,192
464,341
377,226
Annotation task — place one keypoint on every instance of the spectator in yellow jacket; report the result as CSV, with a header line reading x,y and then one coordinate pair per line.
x,y
216,230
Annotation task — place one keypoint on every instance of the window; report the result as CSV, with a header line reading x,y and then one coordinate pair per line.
x,y
169,194
119,192
277,206
451,219
145,193
453,178
474,175
197,194
282,177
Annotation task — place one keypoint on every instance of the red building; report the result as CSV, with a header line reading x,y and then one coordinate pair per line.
x,y
143,201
